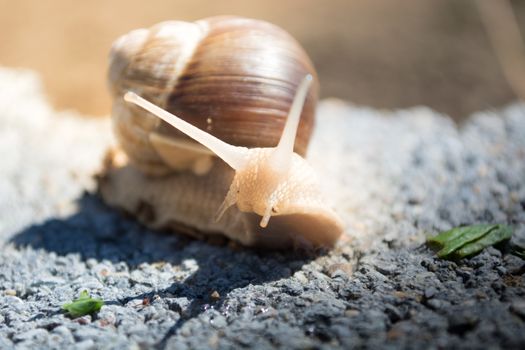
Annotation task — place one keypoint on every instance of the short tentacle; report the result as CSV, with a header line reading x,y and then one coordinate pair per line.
x,y
229,200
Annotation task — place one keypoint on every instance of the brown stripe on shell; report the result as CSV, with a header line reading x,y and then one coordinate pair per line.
x,y
243,77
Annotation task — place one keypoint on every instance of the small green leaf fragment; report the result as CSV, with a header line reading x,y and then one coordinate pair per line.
x,y
464,241
519,253
467,235
470,234
84,305
439,241
498,234
517,250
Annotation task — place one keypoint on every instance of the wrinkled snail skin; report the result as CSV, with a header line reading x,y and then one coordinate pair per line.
x,y
185,203
222,172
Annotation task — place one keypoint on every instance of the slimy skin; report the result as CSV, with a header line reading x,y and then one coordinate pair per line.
x,y
270,182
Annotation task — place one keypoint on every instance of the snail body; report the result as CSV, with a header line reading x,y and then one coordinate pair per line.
x,y
237,89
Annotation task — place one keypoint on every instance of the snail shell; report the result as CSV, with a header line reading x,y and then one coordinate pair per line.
x,y
233,77
239,89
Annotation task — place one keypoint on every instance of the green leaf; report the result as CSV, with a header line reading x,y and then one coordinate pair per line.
x,y
84,305
460,242
498,234
440,240
468,234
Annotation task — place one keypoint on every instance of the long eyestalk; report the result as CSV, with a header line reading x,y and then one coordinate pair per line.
x,y
234,156
282,156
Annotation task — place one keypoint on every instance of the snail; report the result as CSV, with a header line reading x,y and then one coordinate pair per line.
x,y
214,118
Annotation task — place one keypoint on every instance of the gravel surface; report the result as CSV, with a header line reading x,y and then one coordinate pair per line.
x,y
393,176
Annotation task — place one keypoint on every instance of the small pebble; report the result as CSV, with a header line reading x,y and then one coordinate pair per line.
x,y
435,304
518,308
215,295
385,269
394,314
430,292
462,321
352,313
301,277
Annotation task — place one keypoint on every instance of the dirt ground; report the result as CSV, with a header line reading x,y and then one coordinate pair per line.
x,y
381,53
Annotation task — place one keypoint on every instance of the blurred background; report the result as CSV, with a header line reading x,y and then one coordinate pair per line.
x,y
379,53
